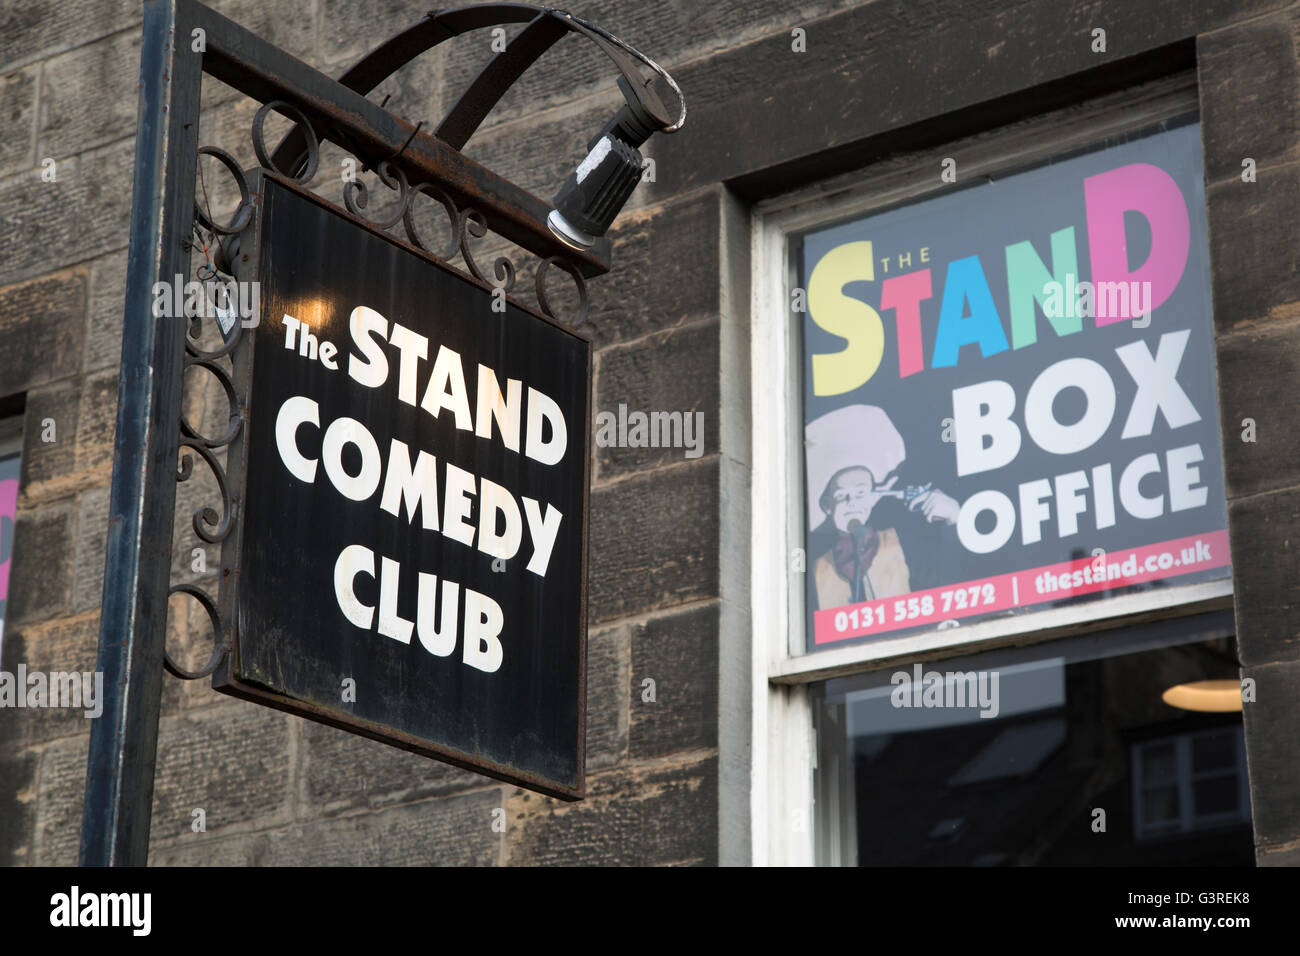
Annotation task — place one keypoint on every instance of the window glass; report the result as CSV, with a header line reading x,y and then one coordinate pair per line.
x,y
1009,397
1064,753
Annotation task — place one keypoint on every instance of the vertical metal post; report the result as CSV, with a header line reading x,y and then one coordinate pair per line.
x,y
123,741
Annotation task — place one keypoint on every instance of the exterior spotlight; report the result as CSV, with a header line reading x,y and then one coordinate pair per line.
x,y
597,190
593,196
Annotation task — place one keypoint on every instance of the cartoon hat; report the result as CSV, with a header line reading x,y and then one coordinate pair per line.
x,y
855,436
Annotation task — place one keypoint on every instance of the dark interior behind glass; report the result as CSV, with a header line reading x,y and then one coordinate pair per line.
x,y
1080,726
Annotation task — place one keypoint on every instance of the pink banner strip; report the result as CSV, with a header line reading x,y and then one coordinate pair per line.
x,y
1004,592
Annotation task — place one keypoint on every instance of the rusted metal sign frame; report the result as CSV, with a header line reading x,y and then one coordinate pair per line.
x,y
120,767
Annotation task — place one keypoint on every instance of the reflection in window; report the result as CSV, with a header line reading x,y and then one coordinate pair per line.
x,y
909,773
1193,781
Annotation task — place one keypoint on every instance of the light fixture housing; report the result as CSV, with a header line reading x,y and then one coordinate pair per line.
x,y
596,192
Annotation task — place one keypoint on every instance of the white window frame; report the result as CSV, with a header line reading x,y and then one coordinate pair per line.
x,y
783,738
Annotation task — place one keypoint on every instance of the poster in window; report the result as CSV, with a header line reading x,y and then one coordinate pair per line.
x,y
1010,396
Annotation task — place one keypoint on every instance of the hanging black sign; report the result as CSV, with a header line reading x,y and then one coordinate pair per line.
x,y
413,557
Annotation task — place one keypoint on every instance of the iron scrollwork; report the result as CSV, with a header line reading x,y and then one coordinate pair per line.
x,y
209,525
465,224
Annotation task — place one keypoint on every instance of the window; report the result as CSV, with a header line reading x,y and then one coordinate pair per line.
x,y
1189,782
11,444
1048,736
999,427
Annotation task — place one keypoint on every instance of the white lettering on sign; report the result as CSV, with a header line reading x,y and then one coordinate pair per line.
x,y
410,488
1183,482
546,432
986,439
983,411
480,625
406,481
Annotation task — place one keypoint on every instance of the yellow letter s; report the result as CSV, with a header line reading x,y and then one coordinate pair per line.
x,y
851,319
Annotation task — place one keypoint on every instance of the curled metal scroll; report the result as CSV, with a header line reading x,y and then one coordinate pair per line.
x,y
243,212
472,223
580,319
356,196
205,515
236,417
453,217
210,526
220,648
313,145
195,355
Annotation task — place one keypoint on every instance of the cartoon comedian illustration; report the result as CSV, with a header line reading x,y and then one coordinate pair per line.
x,y
853,456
